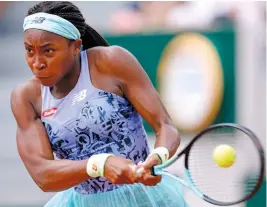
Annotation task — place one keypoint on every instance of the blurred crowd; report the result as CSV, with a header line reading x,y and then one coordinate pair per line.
x,y
178,15
3,7
149,16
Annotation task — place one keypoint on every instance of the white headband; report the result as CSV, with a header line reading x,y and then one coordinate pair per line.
x,y
51,23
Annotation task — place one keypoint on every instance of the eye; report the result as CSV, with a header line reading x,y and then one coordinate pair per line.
x,y
49,50
29,50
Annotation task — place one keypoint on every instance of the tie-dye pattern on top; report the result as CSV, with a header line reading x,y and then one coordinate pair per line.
x,y
91,121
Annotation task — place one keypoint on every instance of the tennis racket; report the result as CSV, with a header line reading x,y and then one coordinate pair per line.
x,y
214,184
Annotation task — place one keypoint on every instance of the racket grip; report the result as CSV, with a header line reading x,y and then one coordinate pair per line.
x,y
152,171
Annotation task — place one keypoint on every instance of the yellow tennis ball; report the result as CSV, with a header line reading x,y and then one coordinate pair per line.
x,y
224,155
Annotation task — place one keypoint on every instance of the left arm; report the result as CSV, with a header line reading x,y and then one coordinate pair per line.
x,y
139,90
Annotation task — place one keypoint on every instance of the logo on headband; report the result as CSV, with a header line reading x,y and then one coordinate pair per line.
x,y
38,20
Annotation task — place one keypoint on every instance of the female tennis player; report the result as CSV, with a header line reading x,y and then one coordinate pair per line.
x,y
85,104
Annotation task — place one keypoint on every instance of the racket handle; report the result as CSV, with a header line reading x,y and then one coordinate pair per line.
x,y
152,171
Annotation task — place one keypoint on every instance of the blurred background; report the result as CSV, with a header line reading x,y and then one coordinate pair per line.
x,y
213,52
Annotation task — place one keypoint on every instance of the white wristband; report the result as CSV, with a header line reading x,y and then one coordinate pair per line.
x,y
162,152
96,165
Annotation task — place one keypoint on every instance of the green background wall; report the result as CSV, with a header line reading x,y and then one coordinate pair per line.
x,y
148,50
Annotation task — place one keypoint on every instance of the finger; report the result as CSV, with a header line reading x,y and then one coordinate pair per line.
x,y
140,171
124,179
151,180
151,161
143,179
133,167
130,174
140,180
140,163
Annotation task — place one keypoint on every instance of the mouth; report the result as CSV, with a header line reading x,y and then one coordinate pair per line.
x,y
42,77
46,80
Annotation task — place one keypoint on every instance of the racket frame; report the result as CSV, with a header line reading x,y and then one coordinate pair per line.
x,y
159,169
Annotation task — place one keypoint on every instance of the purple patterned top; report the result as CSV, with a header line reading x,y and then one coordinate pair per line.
x,y
91,121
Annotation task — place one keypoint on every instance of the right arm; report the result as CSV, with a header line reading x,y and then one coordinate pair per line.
x,y
35,149
36,152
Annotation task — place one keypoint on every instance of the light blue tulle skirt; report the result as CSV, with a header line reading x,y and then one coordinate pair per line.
x,y
168,193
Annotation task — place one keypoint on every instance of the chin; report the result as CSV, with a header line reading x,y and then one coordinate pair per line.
x,y
47,82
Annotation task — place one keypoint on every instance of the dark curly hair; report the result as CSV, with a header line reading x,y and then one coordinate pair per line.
x,y
67,10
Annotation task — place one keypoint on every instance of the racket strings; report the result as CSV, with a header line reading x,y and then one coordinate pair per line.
x,y
224,184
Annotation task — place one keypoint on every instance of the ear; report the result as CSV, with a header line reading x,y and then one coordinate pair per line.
x,y
77,46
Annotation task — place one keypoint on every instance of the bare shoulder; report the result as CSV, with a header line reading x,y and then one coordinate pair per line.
x,y
104,53
26,93
28,90
113,59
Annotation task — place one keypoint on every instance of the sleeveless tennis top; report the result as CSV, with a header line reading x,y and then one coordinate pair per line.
x,y
91,121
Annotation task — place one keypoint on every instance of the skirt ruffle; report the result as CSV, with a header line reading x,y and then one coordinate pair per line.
x,y
168,193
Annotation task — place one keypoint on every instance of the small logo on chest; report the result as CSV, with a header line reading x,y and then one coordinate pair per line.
x,y
49,112
79,96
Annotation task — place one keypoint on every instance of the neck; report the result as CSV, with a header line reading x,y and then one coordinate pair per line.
x,y
68,82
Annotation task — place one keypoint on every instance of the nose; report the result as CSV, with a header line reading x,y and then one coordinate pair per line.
x,y
38,63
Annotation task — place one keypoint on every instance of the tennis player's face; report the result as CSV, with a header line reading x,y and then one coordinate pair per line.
x,y
49,56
